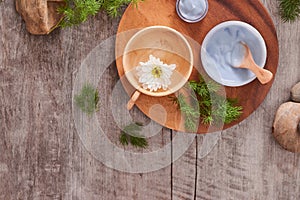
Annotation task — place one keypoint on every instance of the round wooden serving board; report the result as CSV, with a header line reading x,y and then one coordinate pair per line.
x,y
162,12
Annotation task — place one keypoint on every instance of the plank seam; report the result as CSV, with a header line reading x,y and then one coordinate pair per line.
x,y
196,166
171,137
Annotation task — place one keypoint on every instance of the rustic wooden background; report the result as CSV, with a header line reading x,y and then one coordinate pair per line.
x,y
42,157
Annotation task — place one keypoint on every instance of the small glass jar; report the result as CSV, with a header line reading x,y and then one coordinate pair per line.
x,y
192,11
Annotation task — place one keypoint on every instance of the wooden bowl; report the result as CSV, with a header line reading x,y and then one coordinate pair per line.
x,y
165,43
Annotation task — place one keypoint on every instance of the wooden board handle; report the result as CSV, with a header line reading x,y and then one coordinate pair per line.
x,y
133,99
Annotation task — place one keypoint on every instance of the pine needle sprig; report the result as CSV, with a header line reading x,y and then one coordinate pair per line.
x,y
78,11
88,99
189,110
204,88
289,10
213,108
232,112
131,134
113,7
225,110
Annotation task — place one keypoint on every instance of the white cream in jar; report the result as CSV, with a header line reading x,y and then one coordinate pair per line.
x,y
192,10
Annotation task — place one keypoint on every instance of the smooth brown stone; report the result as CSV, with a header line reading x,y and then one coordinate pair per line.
x,y
295,93
40,16
286,126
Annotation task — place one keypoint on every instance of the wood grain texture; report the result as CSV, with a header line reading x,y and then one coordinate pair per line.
x,y
252,12
42,156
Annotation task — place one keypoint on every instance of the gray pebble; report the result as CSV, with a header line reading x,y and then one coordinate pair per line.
x,y
295,93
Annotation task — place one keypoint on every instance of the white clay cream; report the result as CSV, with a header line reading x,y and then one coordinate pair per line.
x,y
192,10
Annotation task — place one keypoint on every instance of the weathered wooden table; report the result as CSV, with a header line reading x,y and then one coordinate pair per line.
x,y
42,156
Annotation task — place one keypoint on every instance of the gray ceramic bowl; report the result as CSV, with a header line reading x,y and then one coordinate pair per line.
x,y
217,44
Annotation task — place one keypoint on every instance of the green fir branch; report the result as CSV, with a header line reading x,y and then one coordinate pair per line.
x,y
88,99
114,7
191,114
289,10
78,11
213,108
131,135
